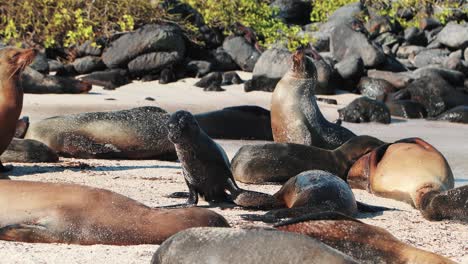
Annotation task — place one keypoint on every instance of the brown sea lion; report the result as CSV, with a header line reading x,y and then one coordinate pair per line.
x,y
75,214
365,243
275,162
295,115
314,191
413,171
237,122
206,167
237,246
137,133
12,63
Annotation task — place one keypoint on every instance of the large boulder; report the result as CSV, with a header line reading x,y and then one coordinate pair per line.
x,y
154,61
88,64
269,69
430,56
454,36
242,52
148,39
345,41
397,79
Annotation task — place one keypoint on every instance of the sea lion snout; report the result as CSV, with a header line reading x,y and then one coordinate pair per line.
x,y
24,57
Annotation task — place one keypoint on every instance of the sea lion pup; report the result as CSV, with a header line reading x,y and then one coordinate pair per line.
x,y
275,162
237,246
206,166
137,133
314,191
237,122
28,151
365,243
412,171
295,115
69,213
13,61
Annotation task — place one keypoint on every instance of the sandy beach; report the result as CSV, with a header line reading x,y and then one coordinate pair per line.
x,y
149,181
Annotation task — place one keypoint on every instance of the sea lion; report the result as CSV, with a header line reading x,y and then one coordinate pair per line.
x,y
314,191
37,83
413,171
28,151
137,133
237,246
69,213
237,122
276,162
295,115
206,167
365,243
363,110
13,61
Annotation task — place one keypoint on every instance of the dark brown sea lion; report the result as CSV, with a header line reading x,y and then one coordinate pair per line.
x,y
412,171
206,166
137,133
237,122
37,83
279,162
237,246
295,115
69,213
365,243
12,63
314,191
28,151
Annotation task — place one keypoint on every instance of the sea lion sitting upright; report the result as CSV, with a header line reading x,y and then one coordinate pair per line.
x,y
412,171
274,162
366,243
13,61
206,167
237,246
295,115
39,212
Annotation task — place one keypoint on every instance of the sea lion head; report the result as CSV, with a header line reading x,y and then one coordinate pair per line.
x,y
302,66
182,126
14,60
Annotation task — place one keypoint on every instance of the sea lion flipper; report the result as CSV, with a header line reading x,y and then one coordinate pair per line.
x,y
367,208
27,232
329,215
178,195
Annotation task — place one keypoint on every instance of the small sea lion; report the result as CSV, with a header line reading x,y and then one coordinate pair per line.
x,y
13,61
38,212
237,246
314,191
206,167
37,83
28,151
276,162
406,109
413,171
237,122
295,115
137,133
363,110
457,114
366,243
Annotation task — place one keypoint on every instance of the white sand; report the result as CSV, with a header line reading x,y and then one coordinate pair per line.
x,y
150,181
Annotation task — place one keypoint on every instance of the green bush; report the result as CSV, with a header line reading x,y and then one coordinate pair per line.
x,y
256,14
322,9
67,22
